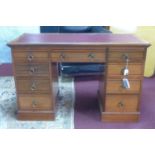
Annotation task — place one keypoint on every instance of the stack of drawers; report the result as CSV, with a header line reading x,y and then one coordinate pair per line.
x,y
32,77
122,104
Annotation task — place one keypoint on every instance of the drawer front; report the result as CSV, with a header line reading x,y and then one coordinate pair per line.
x,y
33,85
32,69
122,103
117,69
120,54
116,86
35,102
78,56
30,56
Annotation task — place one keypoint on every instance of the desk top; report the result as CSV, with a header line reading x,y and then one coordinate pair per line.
x,y
77,39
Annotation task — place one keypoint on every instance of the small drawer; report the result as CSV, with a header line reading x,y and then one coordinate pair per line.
x,y
33,85
117,69
116,87
35,102
121,54
30,56
78,56
32,69
121,103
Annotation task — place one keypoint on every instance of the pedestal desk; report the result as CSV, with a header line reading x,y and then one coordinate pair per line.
x,y
36,58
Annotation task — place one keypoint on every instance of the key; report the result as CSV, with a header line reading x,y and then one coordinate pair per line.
x,y
126,71
126,83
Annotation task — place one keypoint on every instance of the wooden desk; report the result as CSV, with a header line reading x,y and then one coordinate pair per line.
x,y
35,59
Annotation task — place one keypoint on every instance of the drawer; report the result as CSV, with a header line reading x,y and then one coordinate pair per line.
x,y
30,56
116,86
33,85
35,102
78,56
32,69
121,103
117,69
120,54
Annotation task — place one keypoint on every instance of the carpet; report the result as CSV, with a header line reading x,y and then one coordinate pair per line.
x,y
64,107
87,114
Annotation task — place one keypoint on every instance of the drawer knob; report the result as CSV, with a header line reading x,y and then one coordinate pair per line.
x,y
30,57
34,103
62,56
125,57
33,86
33,70
121,104
91,56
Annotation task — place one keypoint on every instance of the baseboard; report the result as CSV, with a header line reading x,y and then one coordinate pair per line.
x,y
6,69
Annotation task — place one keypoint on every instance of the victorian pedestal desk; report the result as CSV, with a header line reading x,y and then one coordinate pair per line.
x,y
35,61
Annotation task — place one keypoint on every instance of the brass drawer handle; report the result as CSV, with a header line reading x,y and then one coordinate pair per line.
x,y
34,103
91,56
33,70
30,57
62,56
125,57
121,104
33,86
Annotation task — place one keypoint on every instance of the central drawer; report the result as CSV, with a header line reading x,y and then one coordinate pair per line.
x,y
122,103
35,102
33,85
78,56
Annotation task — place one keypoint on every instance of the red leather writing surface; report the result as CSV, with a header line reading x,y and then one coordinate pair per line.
x,y
82,38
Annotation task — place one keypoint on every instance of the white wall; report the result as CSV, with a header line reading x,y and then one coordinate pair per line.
x,y
123,28
8,33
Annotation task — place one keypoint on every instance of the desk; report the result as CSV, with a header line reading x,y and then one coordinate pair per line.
x,y
35,61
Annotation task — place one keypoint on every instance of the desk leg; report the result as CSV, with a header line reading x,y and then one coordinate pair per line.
x,y
101,93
